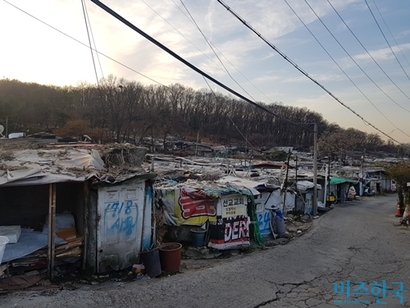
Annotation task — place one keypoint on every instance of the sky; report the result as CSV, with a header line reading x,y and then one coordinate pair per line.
x,y
357,50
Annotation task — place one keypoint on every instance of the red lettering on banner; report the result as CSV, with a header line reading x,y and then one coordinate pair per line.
x,y
195,203
244,229
235,231
228,232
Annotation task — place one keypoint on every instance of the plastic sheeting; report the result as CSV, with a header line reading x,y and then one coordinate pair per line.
x,y
29,242
337,180
305,185
11,232
35,166
194,203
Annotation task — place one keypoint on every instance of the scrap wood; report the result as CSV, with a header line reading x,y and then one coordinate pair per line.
x,y
76,252
28,261
77,240
63,247
64,250
68,246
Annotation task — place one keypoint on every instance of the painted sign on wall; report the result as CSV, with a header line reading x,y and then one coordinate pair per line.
x,y
120,228
231,206
231,228
264,218
120,218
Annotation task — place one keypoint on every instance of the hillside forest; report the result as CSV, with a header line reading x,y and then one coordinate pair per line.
x,y
118,110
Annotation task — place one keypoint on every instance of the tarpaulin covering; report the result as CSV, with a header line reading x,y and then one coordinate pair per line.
x,y
189,205
29,242
337,180
225,204
186,205
305,185
39,166
55,165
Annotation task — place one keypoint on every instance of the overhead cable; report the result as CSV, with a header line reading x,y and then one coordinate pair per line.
x,y
216,55
354,61
193,67
74,39
233,123
381,31
214,47
370,55
88,28
358,67
209,44
227,71
398,46
302,71
337,64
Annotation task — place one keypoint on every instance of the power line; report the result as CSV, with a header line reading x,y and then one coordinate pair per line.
x,y
216,55
369,54
179,32
212,46
357,87
301,70
355,62
348,77
398,46
86,21
179,58
233,123
74,39
93,39
381,31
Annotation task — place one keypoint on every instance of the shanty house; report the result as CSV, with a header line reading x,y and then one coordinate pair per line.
x,y
96,199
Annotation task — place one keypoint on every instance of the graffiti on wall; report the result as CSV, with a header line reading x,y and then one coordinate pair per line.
x,y
120,219
264,222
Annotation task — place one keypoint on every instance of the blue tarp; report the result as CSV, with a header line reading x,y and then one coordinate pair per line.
x,y
29,242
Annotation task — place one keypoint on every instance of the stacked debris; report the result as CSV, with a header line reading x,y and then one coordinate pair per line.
x,y
27,249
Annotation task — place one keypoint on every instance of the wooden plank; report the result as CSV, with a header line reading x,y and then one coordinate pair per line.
x,y
51,223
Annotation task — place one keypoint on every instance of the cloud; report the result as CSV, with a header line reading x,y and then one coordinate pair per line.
x,y
383,53
317,77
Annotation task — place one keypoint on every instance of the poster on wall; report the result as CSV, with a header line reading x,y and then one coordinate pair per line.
x,y
186,206
233,205
231,228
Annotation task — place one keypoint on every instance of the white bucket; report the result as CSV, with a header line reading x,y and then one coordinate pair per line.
x,y
3,241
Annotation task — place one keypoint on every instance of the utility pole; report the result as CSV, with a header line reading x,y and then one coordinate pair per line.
x,y
285,183
314,206
246,147
196,146
326,179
